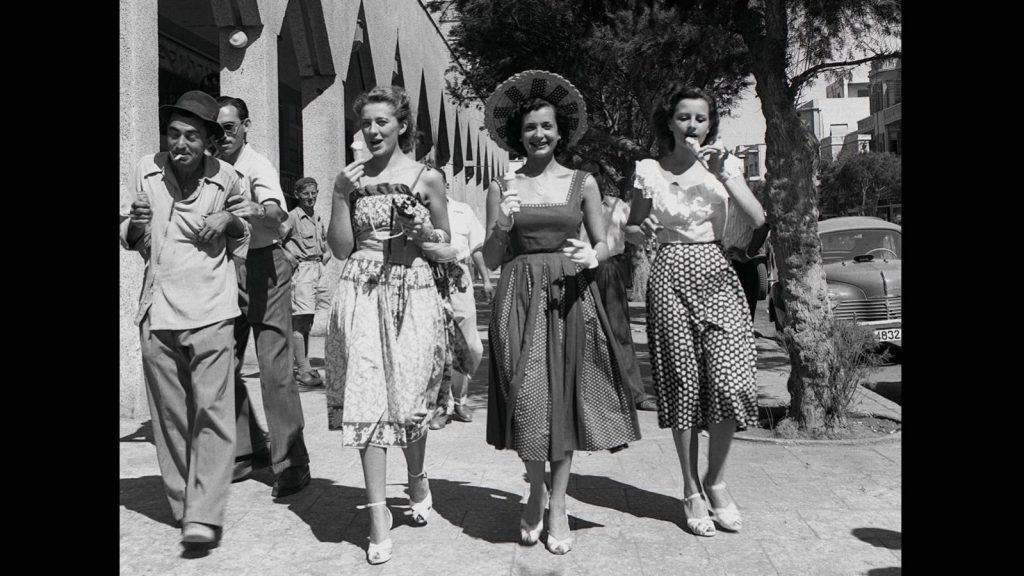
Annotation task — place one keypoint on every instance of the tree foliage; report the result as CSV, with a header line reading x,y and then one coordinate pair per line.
x,y
855,183
619,55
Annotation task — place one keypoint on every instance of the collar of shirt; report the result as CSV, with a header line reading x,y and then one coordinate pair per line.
x,y
160,164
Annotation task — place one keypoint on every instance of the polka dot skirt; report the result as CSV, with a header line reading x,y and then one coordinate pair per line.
x,y
701,339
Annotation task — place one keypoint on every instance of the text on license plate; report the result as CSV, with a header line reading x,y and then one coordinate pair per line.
x,y
889,335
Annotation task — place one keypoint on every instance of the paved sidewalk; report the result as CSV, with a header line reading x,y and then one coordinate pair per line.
x,y
818,509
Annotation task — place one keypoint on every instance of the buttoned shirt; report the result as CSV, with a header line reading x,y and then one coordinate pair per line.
x,y
261,184
738,228
304,236
188,284
467,232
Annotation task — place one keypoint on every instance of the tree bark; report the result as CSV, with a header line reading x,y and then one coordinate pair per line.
x,y
791,202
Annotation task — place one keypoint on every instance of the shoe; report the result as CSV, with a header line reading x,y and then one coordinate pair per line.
x,y
649,404
556,546
699,526
420,511
291,480
460,414
309,380
196,535
380,552
438,422
245,467
529,535
727,517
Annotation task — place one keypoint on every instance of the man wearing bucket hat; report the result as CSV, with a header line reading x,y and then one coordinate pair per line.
x,y
265,287
174,213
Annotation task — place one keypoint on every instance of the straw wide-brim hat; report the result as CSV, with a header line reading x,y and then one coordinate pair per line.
x,y
505,100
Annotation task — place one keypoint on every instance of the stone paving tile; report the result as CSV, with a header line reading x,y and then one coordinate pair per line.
x,y
799,495
730,553
673,557
826,557
866,494
783,524
862,525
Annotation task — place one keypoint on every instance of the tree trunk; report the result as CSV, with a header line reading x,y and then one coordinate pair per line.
x,y
791,203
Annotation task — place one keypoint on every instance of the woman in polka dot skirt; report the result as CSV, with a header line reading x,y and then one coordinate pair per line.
x,y
554,386
699,329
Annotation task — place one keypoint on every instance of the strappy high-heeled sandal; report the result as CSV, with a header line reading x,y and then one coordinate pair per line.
x,y
380,552
556,546
703,526
727,517
420,511
529,535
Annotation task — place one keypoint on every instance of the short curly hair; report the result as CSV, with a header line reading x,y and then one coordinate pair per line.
x,y
398,98
665,107
514,124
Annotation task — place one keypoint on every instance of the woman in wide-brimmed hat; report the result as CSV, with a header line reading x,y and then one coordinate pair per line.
x,y
703,356
554,384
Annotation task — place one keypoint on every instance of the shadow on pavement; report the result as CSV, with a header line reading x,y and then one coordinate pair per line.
x,y
143,434
638,502
483,513
880,537
894,571
334,511
145,495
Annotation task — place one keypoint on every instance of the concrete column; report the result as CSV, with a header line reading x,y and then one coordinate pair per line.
x,y
323,141
139,127
250,73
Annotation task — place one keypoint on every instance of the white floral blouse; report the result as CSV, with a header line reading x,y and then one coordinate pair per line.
x,y
692,213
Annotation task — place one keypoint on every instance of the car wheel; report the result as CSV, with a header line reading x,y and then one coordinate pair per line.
x,y
762,281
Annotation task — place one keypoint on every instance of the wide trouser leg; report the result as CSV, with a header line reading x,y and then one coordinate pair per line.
x,y
189,376
271,318
612,286
248,434
464,311
213,431
163,363
747,273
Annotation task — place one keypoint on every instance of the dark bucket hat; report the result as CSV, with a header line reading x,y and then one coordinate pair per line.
x,y
200,104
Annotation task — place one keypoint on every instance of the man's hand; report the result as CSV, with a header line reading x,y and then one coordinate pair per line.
x,y
488,290
214,226
141,213
245,208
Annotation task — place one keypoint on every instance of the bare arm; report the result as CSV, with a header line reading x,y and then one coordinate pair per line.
x,y
339,229
493,250
593,219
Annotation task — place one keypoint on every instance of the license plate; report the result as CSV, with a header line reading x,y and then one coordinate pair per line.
x,y
889,335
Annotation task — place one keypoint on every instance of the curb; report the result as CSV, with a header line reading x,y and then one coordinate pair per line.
x,y
896,436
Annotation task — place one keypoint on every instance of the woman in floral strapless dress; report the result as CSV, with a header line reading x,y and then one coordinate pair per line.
x,y
386,342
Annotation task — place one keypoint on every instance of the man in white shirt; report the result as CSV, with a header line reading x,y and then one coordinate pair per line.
x,y
611,282
744,248
264,296
468,239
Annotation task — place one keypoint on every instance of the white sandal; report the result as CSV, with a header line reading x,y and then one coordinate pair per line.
x,y
530,535
556,546
699,526
380,552
420,511
728,517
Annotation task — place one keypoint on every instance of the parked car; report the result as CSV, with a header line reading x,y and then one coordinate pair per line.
x,y
862,257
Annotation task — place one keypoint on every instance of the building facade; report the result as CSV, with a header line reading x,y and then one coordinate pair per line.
x,y
299,65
